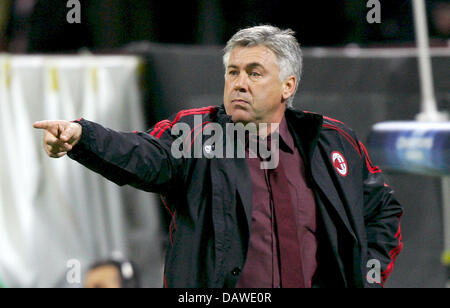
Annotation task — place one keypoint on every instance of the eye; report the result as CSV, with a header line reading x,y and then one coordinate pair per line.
x,y
254,74
233,73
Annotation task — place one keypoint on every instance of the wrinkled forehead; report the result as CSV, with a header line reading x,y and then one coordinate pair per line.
x,y
252,55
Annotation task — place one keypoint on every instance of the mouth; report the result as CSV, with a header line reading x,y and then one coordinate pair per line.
x,y
239,101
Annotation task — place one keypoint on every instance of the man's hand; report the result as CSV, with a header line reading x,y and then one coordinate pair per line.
x,y
59,136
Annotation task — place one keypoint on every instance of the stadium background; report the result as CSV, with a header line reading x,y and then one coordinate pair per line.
x,y
162,57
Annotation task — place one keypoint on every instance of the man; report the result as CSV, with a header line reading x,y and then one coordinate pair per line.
x,y
321,217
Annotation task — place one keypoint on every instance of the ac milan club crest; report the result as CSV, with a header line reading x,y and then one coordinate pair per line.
x,y
339,163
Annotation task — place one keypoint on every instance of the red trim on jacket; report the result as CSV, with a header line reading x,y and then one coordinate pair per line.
x,y
162,126
192,131
345,135
158,125
325,117
173,223
370,166
333,120
198,133
393,254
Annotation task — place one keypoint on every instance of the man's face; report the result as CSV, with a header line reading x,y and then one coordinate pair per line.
x,y
253,91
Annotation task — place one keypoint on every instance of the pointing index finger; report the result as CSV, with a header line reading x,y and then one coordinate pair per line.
x,y
43,124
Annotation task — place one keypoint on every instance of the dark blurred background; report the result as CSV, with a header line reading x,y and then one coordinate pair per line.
x,y
40,26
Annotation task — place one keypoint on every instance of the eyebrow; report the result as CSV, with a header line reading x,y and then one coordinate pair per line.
x,y
250,65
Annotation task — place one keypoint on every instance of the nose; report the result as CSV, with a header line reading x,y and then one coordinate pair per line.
x,y
241,83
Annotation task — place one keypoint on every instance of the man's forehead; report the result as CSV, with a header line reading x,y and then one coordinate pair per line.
x,y
253,55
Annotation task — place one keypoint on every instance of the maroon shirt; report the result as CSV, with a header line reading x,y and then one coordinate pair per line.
x,y
262,268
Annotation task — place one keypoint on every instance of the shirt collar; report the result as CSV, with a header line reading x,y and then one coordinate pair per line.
x,y
286,139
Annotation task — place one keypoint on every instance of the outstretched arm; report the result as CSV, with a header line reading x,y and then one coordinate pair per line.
x,y
136,159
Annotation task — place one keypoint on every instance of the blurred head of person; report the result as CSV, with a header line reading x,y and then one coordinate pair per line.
x,y
441,19
112,274
263,66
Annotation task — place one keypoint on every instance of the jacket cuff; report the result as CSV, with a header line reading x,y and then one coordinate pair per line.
x,y
83,145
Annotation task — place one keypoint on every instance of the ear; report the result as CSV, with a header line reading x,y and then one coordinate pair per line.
x,y
289,87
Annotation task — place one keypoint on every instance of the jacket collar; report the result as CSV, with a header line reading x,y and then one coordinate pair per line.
x,y
304,126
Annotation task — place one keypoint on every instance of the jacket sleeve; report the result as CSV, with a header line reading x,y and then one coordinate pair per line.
x,y
138,159
382,214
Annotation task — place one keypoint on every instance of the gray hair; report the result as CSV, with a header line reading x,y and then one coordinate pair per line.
x,y
281,42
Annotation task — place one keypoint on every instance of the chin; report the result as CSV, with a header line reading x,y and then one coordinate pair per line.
x,y
241,116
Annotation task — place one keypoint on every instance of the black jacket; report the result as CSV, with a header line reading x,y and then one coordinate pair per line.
x,y
210,199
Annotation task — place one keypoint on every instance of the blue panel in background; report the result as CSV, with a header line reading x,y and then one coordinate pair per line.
x,y
414,147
